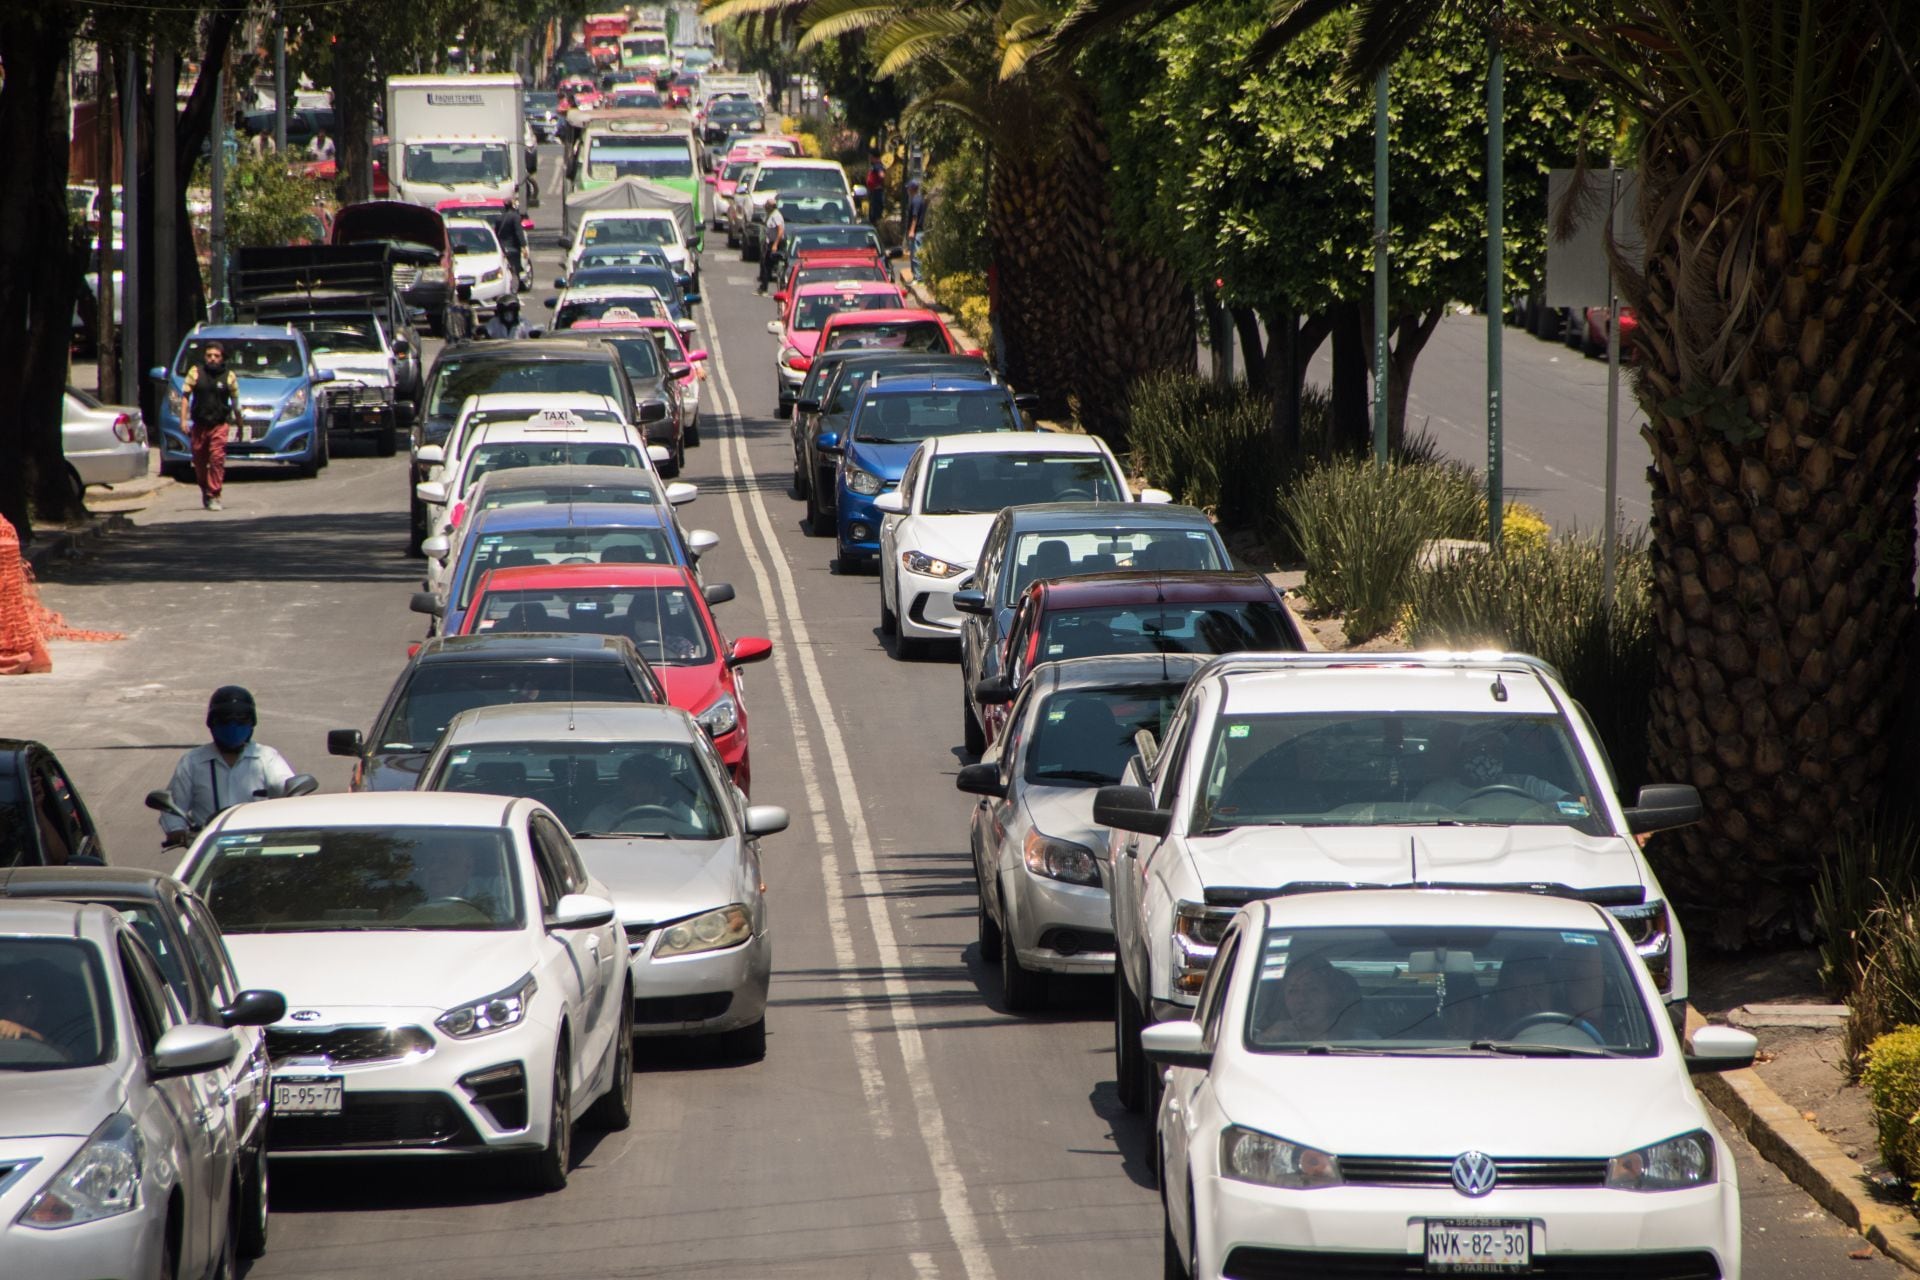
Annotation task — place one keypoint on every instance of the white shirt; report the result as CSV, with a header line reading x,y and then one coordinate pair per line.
x,y
204,783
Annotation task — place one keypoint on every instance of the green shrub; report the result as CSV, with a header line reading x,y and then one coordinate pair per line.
x,y
1886,991
1867,870
1545,597
1207,445
1892,1079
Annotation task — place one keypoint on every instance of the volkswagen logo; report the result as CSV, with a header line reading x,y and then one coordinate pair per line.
x,y
313,1015
1474,1174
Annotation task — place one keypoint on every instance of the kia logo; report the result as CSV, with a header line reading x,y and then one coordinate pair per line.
x,y
313,1015
1474,1173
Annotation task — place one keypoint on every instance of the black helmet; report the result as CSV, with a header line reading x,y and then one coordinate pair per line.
x,y
509,303
231,704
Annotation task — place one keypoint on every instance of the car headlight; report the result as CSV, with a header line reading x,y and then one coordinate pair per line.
x,y
728,926
1060,859
433,275
101,1181
294,405
864,482
723,716
491,276
1197,930
491,1013
1650,926
1247,1155
1673,1165
931,566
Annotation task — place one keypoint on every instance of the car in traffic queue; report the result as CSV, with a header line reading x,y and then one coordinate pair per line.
x,y
453,967
643,265
725,116
102,443
43,820
535,442
1154,607
825,266
656,387
799,326
889,329
657,227
185,943
658,821
542,112
1409,1082
618,304
281,415
447,675
368,371
481,264
546,486
1059,540
1039,861
890,418
663,609
676,347
777,176
727,173
825,404
932,526
1282,771
858,236
117,1161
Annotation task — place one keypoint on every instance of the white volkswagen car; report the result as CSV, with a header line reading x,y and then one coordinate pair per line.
x,y
452,969
1406,1082
480,263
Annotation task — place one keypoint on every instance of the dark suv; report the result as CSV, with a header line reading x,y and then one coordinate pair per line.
x,y
43,821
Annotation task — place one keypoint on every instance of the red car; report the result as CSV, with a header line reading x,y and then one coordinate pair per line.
x,y
663,609
1596,340
819,266
890,329
812,306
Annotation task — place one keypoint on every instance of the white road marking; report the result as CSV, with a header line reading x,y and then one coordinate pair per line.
x,y
948,1177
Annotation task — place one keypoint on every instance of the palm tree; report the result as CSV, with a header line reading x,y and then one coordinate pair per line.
x,y
1775,360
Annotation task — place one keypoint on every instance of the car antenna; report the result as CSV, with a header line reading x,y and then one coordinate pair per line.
x,y
1499,688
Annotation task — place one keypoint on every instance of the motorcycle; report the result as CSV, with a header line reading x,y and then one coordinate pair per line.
x,y
161,800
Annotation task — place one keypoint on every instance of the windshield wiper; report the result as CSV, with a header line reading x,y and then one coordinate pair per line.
x,y
621,835
1526,1049
1093,776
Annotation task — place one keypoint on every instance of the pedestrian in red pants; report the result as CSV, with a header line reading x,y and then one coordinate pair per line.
x,y
210,462
207,403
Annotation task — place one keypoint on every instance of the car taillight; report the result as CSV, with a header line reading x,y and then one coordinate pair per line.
x,y
124,430
453,517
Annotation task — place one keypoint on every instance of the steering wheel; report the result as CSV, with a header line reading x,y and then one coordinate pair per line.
x,y
1503,788
1548,1018
1073,495
432,903
642,811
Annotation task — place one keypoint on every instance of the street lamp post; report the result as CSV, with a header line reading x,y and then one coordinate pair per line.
x,y
1380,127
280,85
1496,284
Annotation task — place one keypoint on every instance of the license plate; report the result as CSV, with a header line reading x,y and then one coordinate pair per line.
x,y
1483,1246
308,1095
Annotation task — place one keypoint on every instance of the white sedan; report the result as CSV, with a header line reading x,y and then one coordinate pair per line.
x,y
104,443
480,263
1404,1081
454,974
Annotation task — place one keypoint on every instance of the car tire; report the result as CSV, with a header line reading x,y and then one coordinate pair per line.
x,y
416,525
75,485
693,434
227,1267
975,732
254,1207
612,1111
388,442
547,1169
991,939
889,620
749,251
1022,990
1129,1063
1174,1264
816,519
847,564
746,1044
326,448
680,455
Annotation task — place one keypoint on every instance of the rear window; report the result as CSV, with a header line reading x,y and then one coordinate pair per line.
x,y
455,379
439,691
1224,626
512,455
565,546
919,415
891,335
1062,553
664,623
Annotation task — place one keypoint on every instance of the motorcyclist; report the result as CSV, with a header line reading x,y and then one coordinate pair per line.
x,y
232,769
506,321
513,242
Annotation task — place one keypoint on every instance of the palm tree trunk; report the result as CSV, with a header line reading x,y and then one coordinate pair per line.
x,y
1025,199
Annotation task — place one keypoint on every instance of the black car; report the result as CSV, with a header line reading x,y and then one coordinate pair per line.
x,y
653,380
302,124
450,674
731,115
43,821
544,366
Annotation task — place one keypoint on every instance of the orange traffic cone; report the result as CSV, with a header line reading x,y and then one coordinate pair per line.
x,y
22,651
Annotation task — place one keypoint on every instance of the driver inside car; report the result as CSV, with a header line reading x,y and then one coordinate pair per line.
x,y
646,781
452,892
1482,763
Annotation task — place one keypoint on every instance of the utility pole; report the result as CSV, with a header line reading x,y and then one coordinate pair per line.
x,y
166,226
1496,284
106,377
132,376
1610,534
217,236
1380,126
279,83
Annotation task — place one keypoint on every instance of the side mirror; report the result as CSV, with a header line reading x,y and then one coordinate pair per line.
x,y
749,649
1027,403
766,820
580,911
828,441
536,331
653,411
431,492
808,406
701,541
431,454
975,352
679,493
300,784
686,327
345,742
697,357
974,602
659,454
676,371
981,780
1155,497
994,691
774,328
893,502
711,179
1130,809
1721,1049
323,375
1175,1044
190,1049
428,603
254,1009
436,548
692,298
560,282
549,303
1662,806
162,802
158,373
780,296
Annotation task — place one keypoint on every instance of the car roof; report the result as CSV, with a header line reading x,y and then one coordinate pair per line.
x,y
572,473
1104,515
609,292
1015,442
370,809
534,431
881,315
652,213
85,882
822,288
537,400
574,515
878,387
801,162
587,577
52,918
1135,586
532,645
470,222
529,349
1362,687
868,356
574,722
1514,910
1113,669
206,331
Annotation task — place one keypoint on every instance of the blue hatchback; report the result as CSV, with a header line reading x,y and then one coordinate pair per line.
x,y
281,400
889,420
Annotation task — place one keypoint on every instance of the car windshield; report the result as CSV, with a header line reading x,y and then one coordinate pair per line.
x,y
732,169
732,109
336,339
1346,769
807,178
1068,553
810,209
636,271
247,357
638,355
452,164
639,494
963,483
471,239
541,100
1217,626
655,790
514,454
638,98
627,306
456,379
833,238
1084,737
1447,990
839,271
439,691
812,311
641,545
904,417
54,991
890,335
606,231
663,622
608,159
357,879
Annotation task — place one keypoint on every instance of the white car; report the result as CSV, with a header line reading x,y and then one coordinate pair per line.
x,y
952,488
453,970
655,815
1304,770
776,176
579,310
103,443
633,226
490,407
1394,1082
535,442
480,263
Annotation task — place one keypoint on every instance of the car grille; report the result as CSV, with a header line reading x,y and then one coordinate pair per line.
x,y
1420,1171
356,395
697,1008
348,1044
1248,1263
404,275
376,1120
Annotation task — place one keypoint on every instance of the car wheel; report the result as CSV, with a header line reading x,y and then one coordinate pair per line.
x,y
991,940
75,485
228,1267
847,564
612,1111
1129,1064
693,434
254,1207
547,1170
416,525
1021,989
680,455
816,520
821,517
976,734
733,241
388,442
889,621
746,1044
326,448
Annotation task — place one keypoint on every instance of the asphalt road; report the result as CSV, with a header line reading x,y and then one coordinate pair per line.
x,y
901,1124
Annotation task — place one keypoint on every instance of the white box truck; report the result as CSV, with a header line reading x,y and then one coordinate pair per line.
x,y
456,138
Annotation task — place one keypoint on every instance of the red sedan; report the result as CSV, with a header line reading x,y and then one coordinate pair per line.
x,y
813,305
823,266
891,329
663,609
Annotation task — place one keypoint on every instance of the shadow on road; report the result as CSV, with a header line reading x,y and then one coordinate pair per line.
x,y
295,548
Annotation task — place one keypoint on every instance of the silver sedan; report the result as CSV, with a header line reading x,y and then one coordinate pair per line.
x,y
104,443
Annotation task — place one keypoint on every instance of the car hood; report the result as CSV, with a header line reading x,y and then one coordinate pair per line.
x,y
887,461
955,539
477,264
656,880
691,688
341,973
356,367
1271,857
803,340
393,770
1442,1107
268,390
72,1104
1065,813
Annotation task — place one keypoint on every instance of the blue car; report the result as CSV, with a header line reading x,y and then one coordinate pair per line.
x,y
559,533
889,420
281,401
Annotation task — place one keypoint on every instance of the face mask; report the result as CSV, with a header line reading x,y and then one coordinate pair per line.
x,y
229,736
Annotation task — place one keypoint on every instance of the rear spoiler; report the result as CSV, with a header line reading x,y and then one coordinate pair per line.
x,y
1625,895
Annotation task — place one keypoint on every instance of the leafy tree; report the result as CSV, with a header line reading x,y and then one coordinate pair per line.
x,y
268,201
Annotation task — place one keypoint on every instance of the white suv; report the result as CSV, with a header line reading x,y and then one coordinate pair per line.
x,y
1289,773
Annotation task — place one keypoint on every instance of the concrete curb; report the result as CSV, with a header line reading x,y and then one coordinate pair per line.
x,y
1811,1159
70,542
